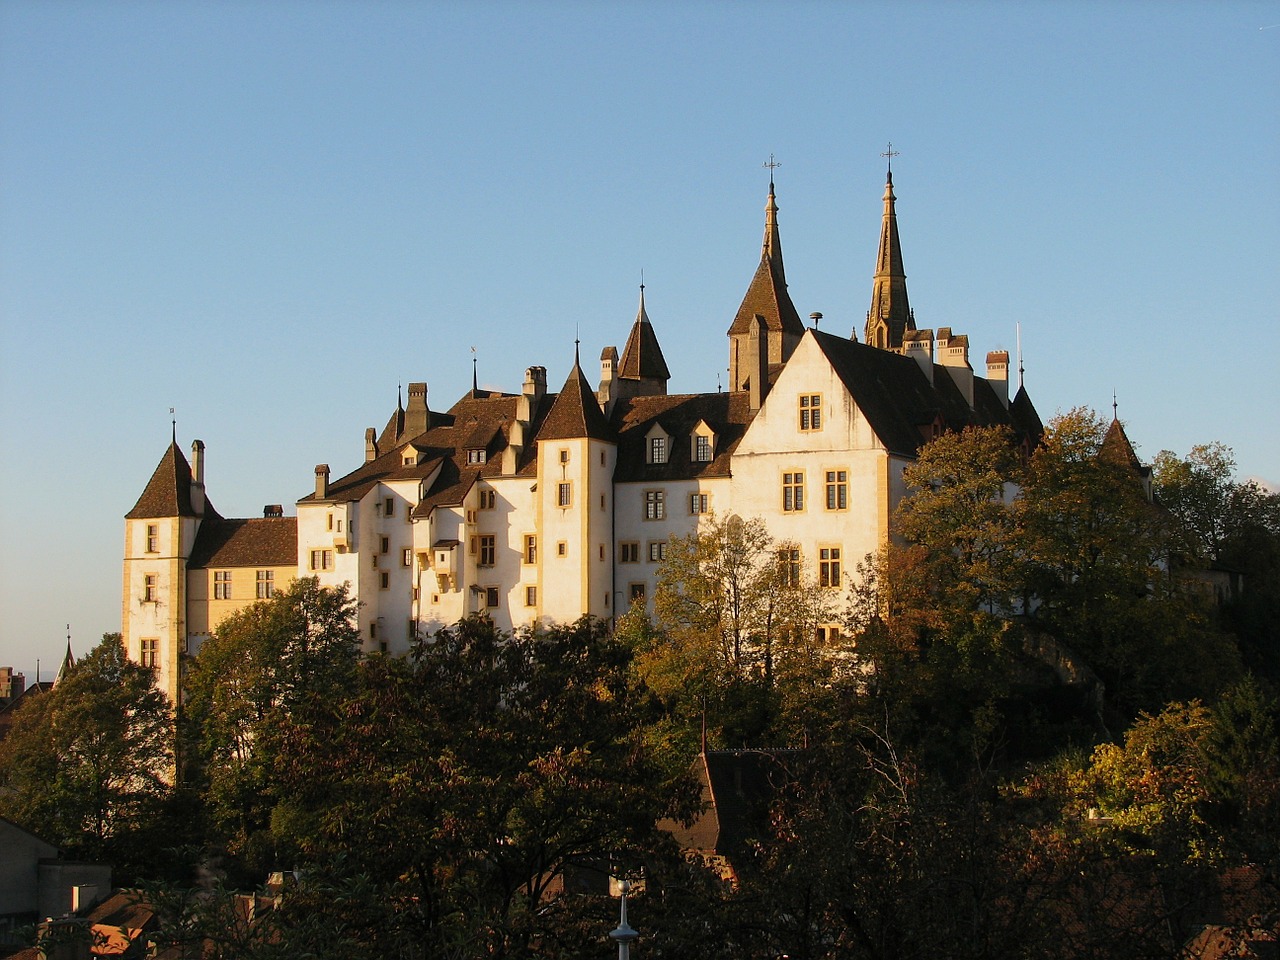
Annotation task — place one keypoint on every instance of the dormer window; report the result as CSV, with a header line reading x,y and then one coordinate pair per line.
x,y
657,449
702,449
476,455
702,443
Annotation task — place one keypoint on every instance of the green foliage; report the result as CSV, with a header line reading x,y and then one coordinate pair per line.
x,y
87,763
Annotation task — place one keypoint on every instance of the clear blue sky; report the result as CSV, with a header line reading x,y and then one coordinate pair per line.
x,y
268,214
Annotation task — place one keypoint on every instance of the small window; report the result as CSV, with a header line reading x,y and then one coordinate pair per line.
x,y
488,499
636,592
384,580
530,596
562,548
564,494
149,652
657,449
384,544
837,490
657,551
488,550
629,552
793,491
390,508
829,633
698,503
811,411
829,567
222,584
265,584
321,559
530,548
655,504
702,449
406,557
789,566
564,456
153,538
330,518
491,597
408,461
476,455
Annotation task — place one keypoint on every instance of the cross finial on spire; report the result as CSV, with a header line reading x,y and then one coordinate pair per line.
x,y
475,383
889,153
773,165
1115,407
173,421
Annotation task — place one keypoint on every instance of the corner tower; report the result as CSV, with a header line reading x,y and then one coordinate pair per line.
x,y
890,316
766,298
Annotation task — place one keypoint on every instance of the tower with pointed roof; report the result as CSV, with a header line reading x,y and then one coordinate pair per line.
x,y
890,317
768,342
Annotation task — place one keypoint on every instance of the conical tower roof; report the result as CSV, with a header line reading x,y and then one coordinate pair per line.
x,y
168,492
767,294
642,357
890,314
576,413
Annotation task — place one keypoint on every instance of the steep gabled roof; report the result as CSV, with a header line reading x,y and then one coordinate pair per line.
x,y
257,542
767,294
642,357
168,492
576,413
1026,420
728,414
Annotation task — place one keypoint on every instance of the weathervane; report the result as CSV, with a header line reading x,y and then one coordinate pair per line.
x,y
890,153
773,165
174,422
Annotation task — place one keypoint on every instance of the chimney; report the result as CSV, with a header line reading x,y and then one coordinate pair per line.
x,y
370,444
953,353
197,477
608,376
322,480
417,418
758,357
998,374
918,344
535,383
273,511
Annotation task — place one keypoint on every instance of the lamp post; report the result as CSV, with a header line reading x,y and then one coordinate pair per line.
x,y
624,935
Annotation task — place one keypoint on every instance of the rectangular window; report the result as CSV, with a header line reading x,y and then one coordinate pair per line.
x,y
488,499
702,449
562,548
829,567
384,544
488,550
628,552
490,596
321,559
149,652
657,449
149,588
222,584
564,494
476,455
390,508
406,557
564,456
265,584
657,551
789,566
330,518
153,538
793,491
655,504
384,580
811,411
829,634
837,490
636,592
698,502
530,596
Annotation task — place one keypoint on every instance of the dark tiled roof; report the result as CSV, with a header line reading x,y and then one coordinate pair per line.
x,y
728,414
642,357
450,487
168,492
1026,420
576,412
259,542
767,297
1116,449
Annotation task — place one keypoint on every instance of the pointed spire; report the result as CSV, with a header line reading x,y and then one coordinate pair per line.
x,y
890,314
168,492
475,377
575,412
642,357
771,250
68,661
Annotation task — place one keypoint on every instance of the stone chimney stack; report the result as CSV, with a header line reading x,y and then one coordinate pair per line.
x,y
918,345
322,480
758,358
998,374
370,444
417,418
608,377
273,511
197,477
953,353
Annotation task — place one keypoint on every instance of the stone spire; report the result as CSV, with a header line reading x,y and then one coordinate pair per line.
x,y
890,314
766,298
642,358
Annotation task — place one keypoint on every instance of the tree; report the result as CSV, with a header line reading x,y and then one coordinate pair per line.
x,y
261,665
87,763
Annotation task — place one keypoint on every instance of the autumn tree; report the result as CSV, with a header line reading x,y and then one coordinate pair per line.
x,y
87,765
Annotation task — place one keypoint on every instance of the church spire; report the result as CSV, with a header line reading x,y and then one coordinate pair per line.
x,y
772,247
890,314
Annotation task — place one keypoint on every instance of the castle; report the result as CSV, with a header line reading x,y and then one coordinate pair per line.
x,y
540,506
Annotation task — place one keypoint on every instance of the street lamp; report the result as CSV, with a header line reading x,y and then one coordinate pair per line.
x,y
624,935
